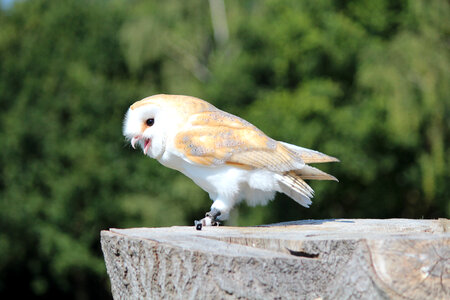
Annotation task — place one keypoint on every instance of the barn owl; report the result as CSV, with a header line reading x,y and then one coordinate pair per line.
x,y
226,156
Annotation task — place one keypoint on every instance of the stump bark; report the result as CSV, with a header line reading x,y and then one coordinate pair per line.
x,y
311,259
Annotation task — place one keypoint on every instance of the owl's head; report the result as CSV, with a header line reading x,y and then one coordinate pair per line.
x,y
153,121
146,124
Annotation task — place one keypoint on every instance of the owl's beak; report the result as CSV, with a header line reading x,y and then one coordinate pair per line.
x,y
147,143
134,140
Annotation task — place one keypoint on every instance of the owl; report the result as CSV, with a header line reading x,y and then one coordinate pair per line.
x,y
228,157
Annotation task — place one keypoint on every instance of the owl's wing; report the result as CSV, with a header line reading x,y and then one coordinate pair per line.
x,y
218,138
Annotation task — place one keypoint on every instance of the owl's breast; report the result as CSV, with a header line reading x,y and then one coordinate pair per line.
x,y
213,179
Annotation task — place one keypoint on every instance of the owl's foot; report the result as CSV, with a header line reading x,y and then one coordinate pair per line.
x,y
210,219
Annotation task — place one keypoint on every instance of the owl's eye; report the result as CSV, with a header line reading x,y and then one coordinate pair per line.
x,y
150,122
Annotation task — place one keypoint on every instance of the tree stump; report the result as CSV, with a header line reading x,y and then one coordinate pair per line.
x,y
311,259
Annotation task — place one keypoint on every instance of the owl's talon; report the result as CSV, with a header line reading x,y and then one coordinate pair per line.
x,y
210,219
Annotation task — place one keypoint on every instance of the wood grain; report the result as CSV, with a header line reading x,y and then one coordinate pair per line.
x,y
311,259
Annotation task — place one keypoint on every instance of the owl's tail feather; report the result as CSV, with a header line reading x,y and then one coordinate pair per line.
x,y
293,185
296,188
309,156
308,172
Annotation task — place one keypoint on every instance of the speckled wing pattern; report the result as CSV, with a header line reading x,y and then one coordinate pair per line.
x,y
218,138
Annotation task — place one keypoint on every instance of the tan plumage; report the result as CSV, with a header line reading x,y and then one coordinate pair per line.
x,y
206,138
214,138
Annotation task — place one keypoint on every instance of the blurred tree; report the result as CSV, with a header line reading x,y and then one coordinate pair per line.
x,y
364,81
65,170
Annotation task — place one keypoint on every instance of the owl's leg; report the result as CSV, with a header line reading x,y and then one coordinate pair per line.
x,y
210,219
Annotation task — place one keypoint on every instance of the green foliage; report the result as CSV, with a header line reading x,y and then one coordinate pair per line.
x,y
365,81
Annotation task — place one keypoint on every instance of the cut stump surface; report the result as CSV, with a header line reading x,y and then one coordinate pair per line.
x,y
325,259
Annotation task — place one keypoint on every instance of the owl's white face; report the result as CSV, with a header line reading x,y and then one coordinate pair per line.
x,y
146,126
